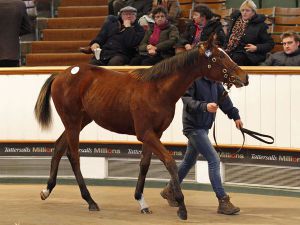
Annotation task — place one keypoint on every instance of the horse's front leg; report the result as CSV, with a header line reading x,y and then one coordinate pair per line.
x,y
59,149
144,166
73,156
152,140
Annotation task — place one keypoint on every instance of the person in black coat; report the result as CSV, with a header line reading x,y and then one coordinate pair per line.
x,y
200,105
14,22
118,39
248,41
204,23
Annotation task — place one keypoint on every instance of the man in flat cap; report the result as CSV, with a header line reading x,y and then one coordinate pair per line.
x,y
117,40
143,7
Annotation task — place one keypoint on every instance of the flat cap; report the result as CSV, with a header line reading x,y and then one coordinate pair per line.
x,y
128,9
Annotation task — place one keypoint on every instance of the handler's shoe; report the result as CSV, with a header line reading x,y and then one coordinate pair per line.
x,y
226,207
168,194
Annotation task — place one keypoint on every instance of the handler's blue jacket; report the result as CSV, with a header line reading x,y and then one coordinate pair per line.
x,y
195,100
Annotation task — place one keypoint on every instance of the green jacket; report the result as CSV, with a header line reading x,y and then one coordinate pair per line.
x,y
168,38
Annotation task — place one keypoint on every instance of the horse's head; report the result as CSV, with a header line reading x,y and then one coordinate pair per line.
x,y
220,67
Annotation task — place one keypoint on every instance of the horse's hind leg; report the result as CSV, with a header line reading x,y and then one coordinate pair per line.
x,y
144,166
72,133
59,149
152,140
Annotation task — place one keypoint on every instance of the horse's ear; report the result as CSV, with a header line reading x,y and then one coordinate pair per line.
x,y
208,45
211,41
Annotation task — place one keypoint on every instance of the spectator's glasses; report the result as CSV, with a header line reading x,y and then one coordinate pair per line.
x,y
287,43
128,14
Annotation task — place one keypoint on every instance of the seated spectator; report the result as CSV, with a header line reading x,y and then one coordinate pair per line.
x,y
172,6
204,23
118,39
14,22
159,40
143,7
290,56
248,40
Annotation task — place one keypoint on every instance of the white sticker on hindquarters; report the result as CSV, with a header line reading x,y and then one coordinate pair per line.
x,y
75,70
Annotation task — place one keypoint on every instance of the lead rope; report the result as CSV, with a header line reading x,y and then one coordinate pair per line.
x,y
244,131
220,101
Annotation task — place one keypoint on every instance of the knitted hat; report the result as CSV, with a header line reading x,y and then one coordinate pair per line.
x,y
248,4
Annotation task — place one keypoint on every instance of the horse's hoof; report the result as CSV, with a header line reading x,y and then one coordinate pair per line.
x,y
94,207
44,194
182,214
146,211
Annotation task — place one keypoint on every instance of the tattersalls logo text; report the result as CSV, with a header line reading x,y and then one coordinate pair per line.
x,y
134,152
264,157
26,149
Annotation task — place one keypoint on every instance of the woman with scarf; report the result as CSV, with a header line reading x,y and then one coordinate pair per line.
x,y
248,39
159,40
204,23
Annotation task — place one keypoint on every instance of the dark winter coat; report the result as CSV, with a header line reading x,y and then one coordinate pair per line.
x,y
195,100
167,39
14,22
115,39
255,33
213,26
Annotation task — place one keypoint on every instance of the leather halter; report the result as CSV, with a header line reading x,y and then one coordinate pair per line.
x,y
228,78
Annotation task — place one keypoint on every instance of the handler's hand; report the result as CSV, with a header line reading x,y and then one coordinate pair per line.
x,y
212,107
238,124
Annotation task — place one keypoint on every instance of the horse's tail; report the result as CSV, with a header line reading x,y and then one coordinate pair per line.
x,y
42,109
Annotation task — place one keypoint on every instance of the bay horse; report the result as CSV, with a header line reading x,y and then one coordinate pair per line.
x,y
140,102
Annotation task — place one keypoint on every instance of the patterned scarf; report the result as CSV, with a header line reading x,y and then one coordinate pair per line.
x,y
236,34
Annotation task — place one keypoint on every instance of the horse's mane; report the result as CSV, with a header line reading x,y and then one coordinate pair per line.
x,y
168,66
